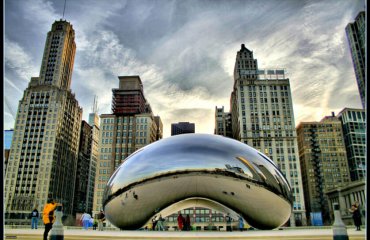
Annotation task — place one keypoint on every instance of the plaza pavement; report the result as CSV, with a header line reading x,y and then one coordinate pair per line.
x,y
286,234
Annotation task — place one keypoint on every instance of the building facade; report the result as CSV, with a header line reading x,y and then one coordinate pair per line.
x,y
159,124
81,204
354,131
356,33
262,117
122,133
223,122
44,152
345,197
324,165
182,128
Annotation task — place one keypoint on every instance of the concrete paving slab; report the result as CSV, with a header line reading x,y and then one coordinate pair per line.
x,y
286,234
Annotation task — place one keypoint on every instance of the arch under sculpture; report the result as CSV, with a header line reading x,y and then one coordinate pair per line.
x,y
216,171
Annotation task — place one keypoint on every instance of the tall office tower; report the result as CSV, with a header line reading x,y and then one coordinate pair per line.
x,y
44,152
126,130
94,123
354,131
324,164
223,122
356,32
182,128
262,112
81,204
8,136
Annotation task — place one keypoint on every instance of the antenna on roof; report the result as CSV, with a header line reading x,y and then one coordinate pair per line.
x,y
65,2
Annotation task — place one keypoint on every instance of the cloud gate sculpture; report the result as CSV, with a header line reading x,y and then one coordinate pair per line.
x,y
208,170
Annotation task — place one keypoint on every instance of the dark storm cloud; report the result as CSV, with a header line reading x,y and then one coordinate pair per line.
x,y
184,51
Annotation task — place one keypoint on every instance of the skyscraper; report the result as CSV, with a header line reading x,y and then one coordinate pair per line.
x,y
182,127
94,123
81,199
130,127
356,32
262,117
44,152
354,131
129,97
324,164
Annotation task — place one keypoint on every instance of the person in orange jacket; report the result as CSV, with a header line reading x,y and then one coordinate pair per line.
x,y
48,216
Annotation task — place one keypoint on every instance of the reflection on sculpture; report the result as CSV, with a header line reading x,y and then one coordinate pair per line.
x,y
216,171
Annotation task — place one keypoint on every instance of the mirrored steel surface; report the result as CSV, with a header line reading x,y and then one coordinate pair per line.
x,y
198,166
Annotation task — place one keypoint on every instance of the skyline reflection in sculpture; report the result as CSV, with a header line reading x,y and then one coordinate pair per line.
x,y
206,168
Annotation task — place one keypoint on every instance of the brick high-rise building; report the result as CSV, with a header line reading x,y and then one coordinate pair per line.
x,y
262,117
129,97
44,152
322,154
130,127
356,33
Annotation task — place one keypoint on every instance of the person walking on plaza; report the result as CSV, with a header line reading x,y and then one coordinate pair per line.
x,y
228,223
180,221
160,223
356,215
187,223
48,216
34,218
101,219
95,224
85,219
241,223
154,223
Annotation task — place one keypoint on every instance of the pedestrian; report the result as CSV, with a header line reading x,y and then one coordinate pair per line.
x,y
95,224
356,215
154,221
101,219
228,223
241,223
48,216
85,219
180,221
187,223
160,223
34,218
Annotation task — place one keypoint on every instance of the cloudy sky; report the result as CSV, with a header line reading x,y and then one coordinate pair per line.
x,y
184,51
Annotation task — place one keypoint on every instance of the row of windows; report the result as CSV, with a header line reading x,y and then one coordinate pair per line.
x,y
263,88
124,120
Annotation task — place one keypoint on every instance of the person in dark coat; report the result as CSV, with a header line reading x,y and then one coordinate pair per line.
x,y
356,215
34,218
187,223
228,223
154,221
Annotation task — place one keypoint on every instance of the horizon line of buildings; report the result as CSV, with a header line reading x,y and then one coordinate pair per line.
x,y
56,154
